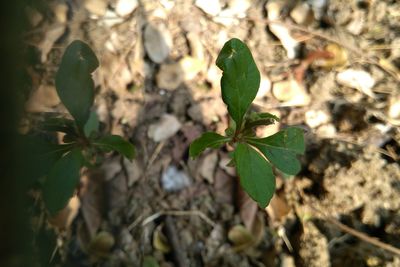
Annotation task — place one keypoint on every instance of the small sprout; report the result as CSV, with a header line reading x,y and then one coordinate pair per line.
x,y
253,157
58,166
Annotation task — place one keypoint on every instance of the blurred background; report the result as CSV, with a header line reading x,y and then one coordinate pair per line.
x,y
329,67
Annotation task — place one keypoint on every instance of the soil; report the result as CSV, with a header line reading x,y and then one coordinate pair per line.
x,y
350,171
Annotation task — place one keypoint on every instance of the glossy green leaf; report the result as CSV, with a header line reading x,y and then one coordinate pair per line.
x,y
74,83
62,180
207,140
282,148
92,125
116,143
255,174
240,78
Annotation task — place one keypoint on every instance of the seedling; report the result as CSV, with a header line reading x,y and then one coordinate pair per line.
x,y
57,166
253,157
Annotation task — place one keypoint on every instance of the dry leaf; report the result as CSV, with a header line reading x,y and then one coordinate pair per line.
x,y
92,201
277,208
51,36
241,238
207,167
223,187
101,244
247,208
64,218
338,58
160,241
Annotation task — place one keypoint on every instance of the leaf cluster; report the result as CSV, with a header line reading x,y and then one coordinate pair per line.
x,y
253,157
57,166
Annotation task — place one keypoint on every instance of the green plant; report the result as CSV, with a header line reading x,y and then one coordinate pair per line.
x,y
252,156
57,165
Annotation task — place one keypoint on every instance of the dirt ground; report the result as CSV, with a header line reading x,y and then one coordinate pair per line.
x,y
329,67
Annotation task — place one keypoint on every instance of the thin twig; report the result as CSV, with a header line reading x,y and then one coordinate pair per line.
x,y
358,234
176,213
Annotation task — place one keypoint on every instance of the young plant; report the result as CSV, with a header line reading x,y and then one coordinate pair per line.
x,y
252,156
57,166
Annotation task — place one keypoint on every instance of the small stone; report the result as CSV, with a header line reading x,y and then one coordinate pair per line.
x,y
291,93
357,79
125,7
327,131
170,76
283,33
302,13
191,67
210,7
174,180
356,26
157,42
96,7
165,128
315,118
112,19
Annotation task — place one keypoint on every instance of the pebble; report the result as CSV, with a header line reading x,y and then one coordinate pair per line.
x,y
357,79
165,128
302,14
125,7
174,180
157,42
170,76
210,7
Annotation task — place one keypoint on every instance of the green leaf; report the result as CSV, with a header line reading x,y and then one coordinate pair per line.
x,y
258,119
92,125
116,143
255,174
282,148
37,157
62,181
240,78
209,139
150,261
74,83
58,125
